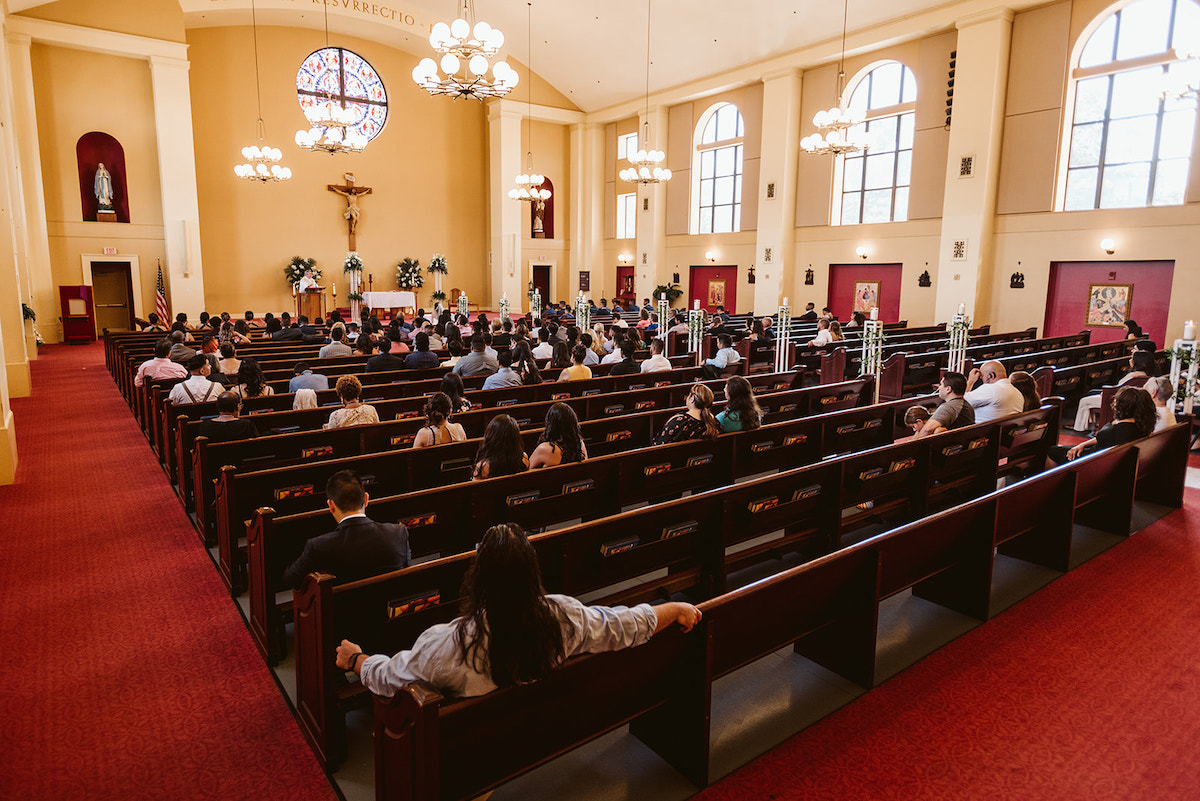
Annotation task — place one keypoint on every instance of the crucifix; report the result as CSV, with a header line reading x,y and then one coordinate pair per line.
x,y
352,194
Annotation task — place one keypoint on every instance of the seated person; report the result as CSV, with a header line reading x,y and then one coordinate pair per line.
x,y
657,363
578,371
196,388
915,417
591,357
506,377
500,453
477,362
561,441
545,348
524,364
160,366
452,385
305,399
626,366
387,359
954,412
995,397
824,335
251,383
742,412
353,412
179,351
810,313
438,429
337,347
421,358
155,324
229,363
618,336
1133,418
359,547
1141,364
696,422
1161,393
227,426
528,633
725,356
1025,384
305,378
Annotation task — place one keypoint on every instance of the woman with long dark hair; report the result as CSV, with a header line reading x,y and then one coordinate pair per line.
x,y
452,385
438,429
560,356
1134,416
510,631
561,441
251,381
742,412
500,453
1142,364
695,423
1024,382
524,364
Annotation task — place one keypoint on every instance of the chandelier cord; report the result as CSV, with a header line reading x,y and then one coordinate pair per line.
x,y
842,60
529,90
257,77
647,66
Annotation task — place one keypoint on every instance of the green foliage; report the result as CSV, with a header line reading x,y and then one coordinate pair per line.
x,y
672,291
408,275
27,313
294,271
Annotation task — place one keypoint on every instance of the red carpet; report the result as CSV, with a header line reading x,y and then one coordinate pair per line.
x,y
128,672
1088,689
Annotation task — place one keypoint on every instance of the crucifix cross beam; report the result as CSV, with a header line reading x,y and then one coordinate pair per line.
x,y
352,193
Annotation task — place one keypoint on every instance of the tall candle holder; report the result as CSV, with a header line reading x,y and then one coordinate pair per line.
x,y
959,329
696,323
783,340
872,350
1183,368
462,305
663,309
583,313
504,306
535,306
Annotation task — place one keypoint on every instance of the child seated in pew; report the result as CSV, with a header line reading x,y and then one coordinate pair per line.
x,y
227,426
511,632
359,547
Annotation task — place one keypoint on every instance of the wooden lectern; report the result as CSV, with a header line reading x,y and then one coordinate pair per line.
x,y
311,303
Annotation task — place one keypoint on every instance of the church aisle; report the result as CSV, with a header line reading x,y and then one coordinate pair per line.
x,y
128,671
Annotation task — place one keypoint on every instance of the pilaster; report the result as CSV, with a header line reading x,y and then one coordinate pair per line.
x,y
775,241
507,264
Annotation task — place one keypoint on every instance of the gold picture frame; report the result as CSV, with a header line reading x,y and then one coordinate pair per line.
x,y
866,296
1108,305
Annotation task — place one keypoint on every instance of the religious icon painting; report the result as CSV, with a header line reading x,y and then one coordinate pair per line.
x,y
1108,305
866,296
716,292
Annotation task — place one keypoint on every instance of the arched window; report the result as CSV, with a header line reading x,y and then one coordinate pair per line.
x,y
347,79
875,182
717,171
1129,145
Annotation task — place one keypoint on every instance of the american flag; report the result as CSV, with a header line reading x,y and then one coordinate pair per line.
x,y
160,298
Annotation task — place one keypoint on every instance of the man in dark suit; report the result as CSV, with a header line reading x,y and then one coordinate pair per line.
x,y
810,313
386,360
359,547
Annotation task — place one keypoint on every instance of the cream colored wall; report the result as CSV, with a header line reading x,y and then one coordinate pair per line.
x,y
157,19
67,108
427,169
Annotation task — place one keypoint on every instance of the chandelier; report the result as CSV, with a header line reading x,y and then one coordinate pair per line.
x,y
466,55
262,160
331,125
838,131
646,169
529,184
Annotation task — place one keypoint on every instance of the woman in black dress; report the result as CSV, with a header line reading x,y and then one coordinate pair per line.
x,y
1133,418
696,422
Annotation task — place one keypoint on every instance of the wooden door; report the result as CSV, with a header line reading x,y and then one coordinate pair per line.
x,y
541,281
112,291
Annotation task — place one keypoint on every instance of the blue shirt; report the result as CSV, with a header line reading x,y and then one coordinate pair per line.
x,y
309,380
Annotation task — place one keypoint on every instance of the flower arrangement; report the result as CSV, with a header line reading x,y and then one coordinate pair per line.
x,y
872,348
352,264
505,307
408,275
583,313
437,266
294,271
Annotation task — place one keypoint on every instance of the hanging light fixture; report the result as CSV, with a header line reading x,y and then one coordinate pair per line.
x,y
646,169
262,161
838,130
330,123
467,48
529,184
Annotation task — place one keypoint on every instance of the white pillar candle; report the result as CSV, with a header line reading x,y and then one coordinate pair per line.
x,y
505,296
663,297
785,302
962,308
875,314
1189,330
333,288
696,305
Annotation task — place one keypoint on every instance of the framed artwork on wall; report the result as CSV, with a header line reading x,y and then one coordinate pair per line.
x,y
585,281
1108,305
716,292
866,296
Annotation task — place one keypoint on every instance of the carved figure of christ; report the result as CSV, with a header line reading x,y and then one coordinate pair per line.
x,y
352,194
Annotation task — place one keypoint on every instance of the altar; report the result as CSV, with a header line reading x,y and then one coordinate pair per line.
x,y
390,300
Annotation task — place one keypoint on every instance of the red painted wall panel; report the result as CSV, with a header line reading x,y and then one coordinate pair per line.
x,y
698,287
842,278
1067,296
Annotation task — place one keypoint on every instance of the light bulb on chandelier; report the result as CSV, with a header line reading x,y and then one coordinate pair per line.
x,y
839,130
261,160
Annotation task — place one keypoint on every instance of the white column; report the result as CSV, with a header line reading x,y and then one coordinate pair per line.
x,y
775,240
651,213
969,208
504,245
12,248
177,174
40,286
593,188
580,181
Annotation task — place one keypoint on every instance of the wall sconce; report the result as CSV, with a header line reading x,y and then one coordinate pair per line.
x,y
624,258
809,277
1110,247
861,252
709,257
750,275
